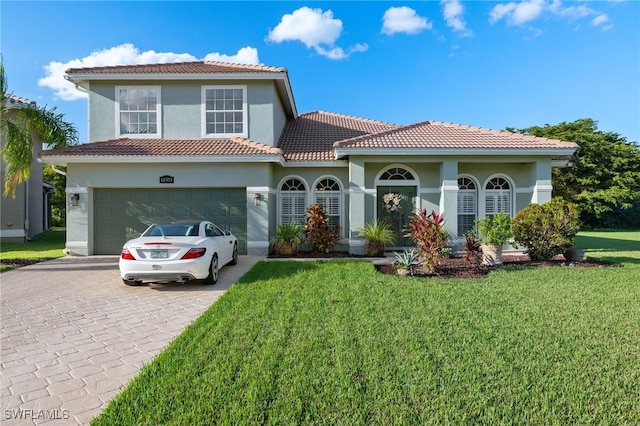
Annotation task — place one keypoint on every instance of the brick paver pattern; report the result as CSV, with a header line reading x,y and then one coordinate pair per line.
x,y
73,335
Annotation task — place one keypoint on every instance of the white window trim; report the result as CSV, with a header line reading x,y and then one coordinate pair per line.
x,y
281,192
203,112
156,135
482,208
340,197
477,196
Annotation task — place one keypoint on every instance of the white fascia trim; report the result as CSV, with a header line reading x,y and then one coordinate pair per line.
x,y
338,163
165,159
342,152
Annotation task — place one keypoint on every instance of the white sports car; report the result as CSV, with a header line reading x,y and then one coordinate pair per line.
x,y
180,251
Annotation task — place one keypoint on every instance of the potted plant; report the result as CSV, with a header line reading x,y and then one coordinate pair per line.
x,y
495,231
287,238
406,262
378,235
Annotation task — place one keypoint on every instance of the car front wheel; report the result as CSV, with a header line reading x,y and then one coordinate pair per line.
x,y
214,271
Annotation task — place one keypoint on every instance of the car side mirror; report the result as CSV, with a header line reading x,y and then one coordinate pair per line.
x,y
227,232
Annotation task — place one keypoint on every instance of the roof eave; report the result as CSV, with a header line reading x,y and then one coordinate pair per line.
x,y
340,153
110,159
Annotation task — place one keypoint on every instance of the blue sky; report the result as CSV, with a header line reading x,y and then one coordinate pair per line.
x,y
488,64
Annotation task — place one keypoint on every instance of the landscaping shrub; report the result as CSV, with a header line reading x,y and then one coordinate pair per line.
x,y
546,230
473,248
318,235
428,233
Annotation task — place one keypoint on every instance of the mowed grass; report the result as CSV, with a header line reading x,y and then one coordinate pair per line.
x,y
44,246
338,343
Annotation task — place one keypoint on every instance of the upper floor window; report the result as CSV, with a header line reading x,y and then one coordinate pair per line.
x,y
138,111
224,111
498,196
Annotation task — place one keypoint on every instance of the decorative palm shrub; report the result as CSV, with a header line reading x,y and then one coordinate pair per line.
x,y
287,238
317,233
378,234
428,233
547,230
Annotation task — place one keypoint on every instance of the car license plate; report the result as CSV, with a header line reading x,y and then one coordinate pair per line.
x,y
159,254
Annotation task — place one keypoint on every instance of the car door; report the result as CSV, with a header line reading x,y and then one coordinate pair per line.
x,y
222,242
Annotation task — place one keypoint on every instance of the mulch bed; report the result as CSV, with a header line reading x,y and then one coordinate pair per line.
x,y
459,267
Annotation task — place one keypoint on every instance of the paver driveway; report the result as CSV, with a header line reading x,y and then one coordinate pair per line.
x,y
73,335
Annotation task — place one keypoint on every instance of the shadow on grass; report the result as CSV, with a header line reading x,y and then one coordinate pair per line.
x,y
601,244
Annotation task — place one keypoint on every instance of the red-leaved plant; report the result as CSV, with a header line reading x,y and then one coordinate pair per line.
x,y
317,233
473,249
428,233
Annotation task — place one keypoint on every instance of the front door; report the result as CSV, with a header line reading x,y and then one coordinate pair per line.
x,y
395,205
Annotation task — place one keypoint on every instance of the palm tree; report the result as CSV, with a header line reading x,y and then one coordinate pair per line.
x,y
20,127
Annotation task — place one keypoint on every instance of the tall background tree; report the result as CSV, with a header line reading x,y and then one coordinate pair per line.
x,y
19,129
604,178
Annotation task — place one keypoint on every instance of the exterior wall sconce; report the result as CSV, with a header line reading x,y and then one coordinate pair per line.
x,y
75,199
256,198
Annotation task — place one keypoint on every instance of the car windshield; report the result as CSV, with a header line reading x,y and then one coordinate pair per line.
x,y
172,230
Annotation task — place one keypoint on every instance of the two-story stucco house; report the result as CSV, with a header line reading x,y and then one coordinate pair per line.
x,y
225,142
29,212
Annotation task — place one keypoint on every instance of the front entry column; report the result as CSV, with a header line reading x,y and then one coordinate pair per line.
x,y
356,205
541,177
449,195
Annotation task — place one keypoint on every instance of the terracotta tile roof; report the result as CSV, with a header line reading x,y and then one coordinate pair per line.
x,y
166,147
311,136
441,135
199,67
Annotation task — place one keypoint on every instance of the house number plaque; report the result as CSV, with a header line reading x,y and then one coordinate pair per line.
x,y
166,179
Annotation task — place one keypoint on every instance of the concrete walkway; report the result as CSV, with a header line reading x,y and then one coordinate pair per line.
x,y
73,335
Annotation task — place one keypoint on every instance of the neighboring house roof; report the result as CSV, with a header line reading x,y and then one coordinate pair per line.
x,y
199,70
441,137
311,136
131,150
12,101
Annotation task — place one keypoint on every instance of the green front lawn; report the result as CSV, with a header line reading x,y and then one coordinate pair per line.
x,y
338,343
44,246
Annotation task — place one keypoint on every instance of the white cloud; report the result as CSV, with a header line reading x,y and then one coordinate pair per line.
x,y
517,13
315,29
530,10
403,20
126,54
452,12
602,21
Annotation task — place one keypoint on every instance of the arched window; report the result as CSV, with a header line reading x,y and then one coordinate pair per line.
x,y
293,201
328,193
467,205
498,196
397,173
